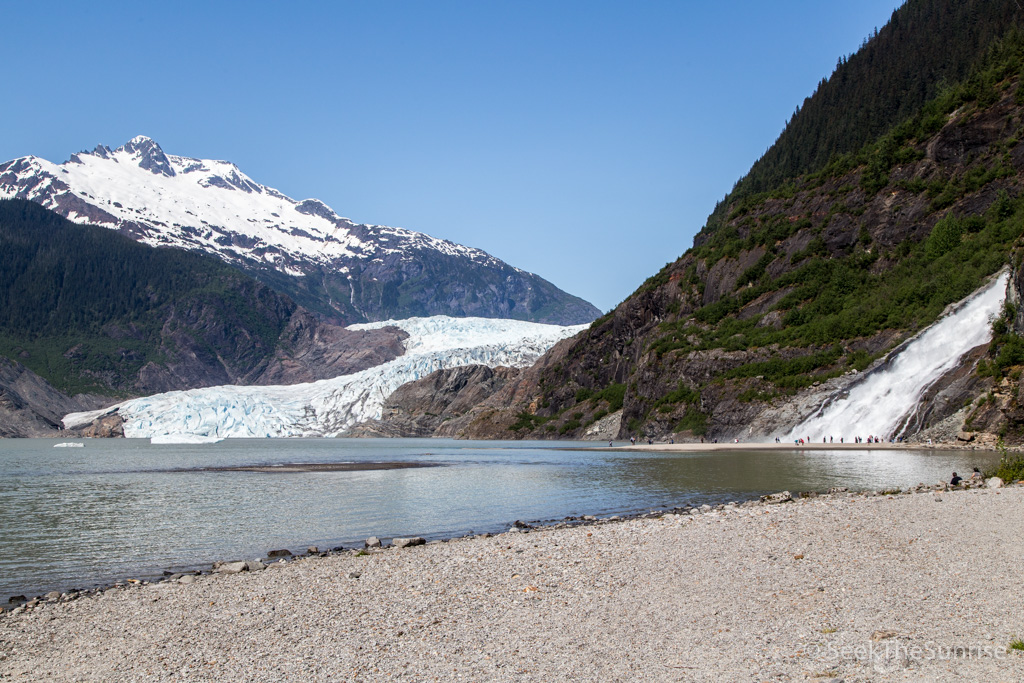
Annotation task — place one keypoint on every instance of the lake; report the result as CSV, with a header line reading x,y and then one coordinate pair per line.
x,y
120,508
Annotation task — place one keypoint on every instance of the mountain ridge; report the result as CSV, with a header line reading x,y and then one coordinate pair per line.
x,y
345,271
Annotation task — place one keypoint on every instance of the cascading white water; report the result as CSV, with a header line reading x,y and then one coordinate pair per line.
x,y
879,403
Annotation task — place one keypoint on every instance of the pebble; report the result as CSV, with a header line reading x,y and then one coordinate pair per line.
x,y
757,595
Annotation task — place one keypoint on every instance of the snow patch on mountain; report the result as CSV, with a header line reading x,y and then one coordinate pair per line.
x,y
204,204
331,407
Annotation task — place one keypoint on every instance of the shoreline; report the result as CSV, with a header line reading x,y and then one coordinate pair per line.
x,y
153,575
18,594
752,446
776,590
761,445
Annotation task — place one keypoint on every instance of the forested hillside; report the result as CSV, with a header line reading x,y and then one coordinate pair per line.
x,y
92,311
896,189
927,47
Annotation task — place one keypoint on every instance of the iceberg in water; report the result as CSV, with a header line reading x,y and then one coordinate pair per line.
x,y
332,406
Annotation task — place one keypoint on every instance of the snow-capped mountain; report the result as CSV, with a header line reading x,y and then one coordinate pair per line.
x,y
330,407
349,271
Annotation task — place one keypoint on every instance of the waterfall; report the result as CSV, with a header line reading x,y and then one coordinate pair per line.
x,y
879,402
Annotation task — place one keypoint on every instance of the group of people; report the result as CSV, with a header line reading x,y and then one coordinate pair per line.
x,y
829,439
650,441
957,479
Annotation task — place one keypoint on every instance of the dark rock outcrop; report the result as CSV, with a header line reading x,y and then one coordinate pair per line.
x,y
424,407
310,350
31,407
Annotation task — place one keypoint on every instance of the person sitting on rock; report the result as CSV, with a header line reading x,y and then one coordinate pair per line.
x,y
955,480
976,474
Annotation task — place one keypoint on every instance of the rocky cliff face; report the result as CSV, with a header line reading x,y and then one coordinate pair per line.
x,y
427,406
31,407
201,349
473,402
310,349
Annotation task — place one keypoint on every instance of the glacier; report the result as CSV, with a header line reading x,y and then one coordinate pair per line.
x,y
331,407
881,401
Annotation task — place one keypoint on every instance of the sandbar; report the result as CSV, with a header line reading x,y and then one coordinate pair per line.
x,y
321,467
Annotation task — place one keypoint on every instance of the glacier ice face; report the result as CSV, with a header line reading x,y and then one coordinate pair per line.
x,y
879,403
330,407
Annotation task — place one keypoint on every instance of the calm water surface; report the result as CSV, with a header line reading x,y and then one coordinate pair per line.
x,y
119,508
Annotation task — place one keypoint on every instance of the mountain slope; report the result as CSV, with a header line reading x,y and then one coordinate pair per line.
x,y
927,46
346,271
790,291
30,406
92,311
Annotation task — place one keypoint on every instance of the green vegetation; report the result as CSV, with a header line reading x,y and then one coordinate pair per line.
x,y
614,394
569,426
827,302
819,306
528,421
86,308
682,394
694,421
1010,467
1006,348
926,45
840,242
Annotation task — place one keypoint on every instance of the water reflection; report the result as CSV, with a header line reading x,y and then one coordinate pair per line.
x,y
117,508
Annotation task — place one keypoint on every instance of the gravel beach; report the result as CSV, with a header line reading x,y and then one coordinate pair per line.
x,y
922,586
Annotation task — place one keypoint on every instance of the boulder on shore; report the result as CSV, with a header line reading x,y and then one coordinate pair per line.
x,y
776,498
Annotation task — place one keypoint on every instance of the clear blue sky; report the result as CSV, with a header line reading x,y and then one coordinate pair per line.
x,y
586,141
